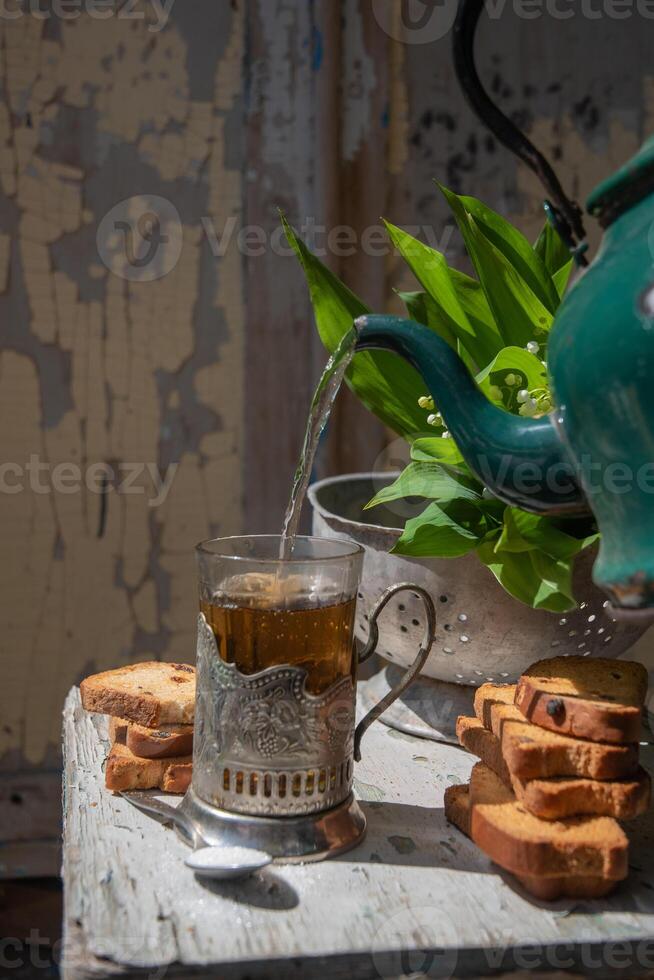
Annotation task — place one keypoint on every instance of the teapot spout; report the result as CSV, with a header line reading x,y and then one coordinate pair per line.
x,y
522,461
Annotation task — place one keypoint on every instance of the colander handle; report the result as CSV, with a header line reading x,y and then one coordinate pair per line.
x,y
414,669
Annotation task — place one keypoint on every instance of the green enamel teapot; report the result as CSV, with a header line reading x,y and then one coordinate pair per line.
x,y
595,451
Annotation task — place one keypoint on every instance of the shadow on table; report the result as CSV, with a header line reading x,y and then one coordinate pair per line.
x,y
632,895
636,893
404,834
263,890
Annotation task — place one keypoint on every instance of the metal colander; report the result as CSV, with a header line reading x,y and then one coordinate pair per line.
x,y
483,634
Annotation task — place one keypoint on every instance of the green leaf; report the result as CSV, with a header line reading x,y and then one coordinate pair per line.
x,y
418,305
551,249
516,249
432,272
555,591
442,532
385,383
512,360
530,576
435,448
430,480
421,308
562,276
493,509
523,532
475,305
518,312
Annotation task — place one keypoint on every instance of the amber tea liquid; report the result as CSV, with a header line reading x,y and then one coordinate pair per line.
x,y
318,638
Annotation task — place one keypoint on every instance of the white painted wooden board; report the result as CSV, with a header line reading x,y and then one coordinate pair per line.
x,y
414,896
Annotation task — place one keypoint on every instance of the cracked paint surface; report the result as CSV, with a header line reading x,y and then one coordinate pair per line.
x,y
95,368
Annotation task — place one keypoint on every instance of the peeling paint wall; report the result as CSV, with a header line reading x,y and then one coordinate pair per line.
x,y
580,87
234,109
98,365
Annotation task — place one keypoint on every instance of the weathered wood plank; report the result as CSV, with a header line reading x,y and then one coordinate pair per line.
x,y
100,368
415,884
355,439
316,150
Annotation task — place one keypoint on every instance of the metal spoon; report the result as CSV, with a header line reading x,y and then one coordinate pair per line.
x,y
227,862
210,862
148,802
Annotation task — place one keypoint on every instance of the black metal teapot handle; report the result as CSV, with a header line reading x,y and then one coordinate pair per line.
x,y
564,214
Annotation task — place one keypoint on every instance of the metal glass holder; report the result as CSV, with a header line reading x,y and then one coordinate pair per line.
x,y
273,764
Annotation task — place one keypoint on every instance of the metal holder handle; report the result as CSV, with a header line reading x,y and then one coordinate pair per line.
x,y
414,669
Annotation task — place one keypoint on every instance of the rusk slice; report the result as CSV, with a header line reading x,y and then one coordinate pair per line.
x,y
520,842
125,771
487,695
561,796
457,807
163,742
531,752
118,730
586,697
458,811
558,797
476,739
150,694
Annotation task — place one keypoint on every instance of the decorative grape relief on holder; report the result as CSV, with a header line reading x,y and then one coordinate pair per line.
x,y
263,743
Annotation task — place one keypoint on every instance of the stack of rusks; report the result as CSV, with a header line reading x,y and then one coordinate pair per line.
x,y
559,768
152,709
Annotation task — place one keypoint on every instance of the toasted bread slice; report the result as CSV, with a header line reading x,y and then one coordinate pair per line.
x,y
125,771
487,695
457,807
118,730
586,697
531,752
476,739
150,694
567,886
555,798
559,797
163,742
458,811
500,714
524,844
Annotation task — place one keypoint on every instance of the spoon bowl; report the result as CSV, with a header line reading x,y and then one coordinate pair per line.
x,y
227,863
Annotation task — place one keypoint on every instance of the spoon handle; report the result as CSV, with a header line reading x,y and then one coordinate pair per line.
x,y
148,803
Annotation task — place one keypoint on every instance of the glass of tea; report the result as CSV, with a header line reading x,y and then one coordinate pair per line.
x,y
276,673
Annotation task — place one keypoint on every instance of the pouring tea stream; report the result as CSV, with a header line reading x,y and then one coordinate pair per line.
x,y
321,406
